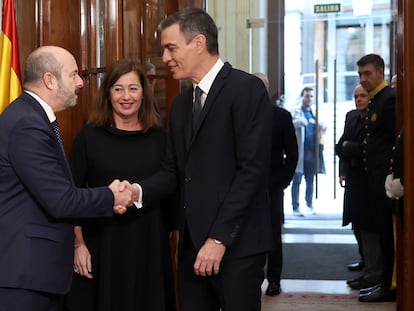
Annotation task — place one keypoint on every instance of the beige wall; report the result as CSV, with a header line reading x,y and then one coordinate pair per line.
x,y
245,48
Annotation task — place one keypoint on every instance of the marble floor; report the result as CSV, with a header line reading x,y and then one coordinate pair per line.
x,y
321,295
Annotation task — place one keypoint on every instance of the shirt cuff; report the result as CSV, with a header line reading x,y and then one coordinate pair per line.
x,y
138,203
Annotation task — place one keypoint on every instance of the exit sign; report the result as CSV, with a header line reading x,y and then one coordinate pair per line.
x,y
327,8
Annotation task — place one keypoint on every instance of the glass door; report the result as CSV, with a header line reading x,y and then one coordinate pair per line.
x,y
322,44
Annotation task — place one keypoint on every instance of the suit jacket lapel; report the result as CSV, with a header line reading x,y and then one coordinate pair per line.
x,y
188,111
215,89
38,108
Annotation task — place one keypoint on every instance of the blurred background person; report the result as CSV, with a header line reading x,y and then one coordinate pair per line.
x,y
124,263
151,71
307,134
283,160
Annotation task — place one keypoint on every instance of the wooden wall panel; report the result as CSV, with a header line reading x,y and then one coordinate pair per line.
x,y
191,4
26,28
113,30
60,22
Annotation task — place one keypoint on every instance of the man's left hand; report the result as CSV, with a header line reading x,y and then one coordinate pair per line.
x,y
209,258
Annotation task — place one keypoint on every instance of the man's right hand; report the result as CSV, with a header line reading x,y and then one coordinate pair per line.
x,y
123,196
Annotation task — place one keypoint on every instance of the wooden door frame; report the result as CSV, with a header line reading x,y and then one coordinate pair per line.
x,y
405,61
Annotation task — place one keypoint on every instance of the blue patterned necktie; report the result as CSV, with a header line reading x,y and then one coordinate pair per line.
x,y
56,129
197,105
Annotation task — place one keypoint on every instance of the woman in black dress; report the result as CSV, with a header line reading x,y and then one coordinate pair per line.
x,y
122,263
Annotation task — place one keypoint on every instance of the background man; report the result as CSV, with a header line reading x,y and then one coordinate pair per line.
x,y
352,174
375,224
307,135
283,160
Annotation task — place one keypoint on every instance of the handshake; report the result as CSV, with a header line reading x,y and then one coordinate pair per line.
x,y
125,195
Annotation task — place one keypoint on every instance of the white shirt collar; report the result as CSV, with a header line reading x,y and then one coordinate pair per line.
x,y
207,81
49,112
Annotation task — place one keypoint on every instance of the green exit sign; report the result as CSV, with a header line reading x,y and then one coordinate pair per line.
x,y
327,8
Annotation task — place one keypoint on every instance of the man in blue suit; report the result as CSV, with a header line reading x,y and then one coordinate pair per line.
x,y
38,199
219,159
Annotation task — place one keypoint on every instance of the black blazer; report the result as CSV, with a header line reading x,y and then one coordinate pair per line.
x,y
284,154
351,154
367,196
222,168
352,166
37,202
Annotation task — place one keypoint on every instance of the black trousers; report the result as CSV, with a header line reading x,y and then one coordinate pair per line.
x,y
237,287
378,250
275,257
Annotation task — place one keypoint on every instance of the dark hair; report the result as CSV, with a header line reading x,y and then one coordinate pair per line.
x,y
373,59
192,22
103,113
306,89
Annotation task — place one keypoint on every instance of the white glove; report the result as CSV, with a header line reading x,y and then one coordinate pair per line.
x,y
393,187
388,181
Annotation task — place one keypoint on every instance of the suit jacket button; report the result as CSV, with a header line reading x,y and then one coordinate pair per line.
x,y
187,179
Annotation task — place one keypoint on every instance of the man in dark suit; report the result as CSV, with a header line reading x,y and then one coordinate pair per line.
x,y
375,220
38,199
284,157
220,162
352,174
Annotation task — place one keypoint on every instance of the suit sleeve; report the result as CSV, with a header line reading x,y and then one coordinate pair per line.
x,y
287,144
252,125
290,146
34,155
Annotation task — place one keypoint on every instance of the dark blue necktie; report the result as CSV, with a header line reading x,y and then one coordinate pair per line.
x,y
197,105
56,129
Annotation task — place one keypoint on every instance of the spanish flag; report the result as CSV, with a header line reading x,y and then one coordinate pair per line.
x,y
10,76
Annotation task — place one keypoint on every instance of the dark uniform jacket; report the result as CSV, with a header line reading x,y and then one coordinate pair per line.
x,y
378,143
351,165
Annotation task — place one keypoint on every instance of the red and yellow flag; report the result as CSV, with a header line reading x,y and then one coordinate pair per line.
x,y
10,76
